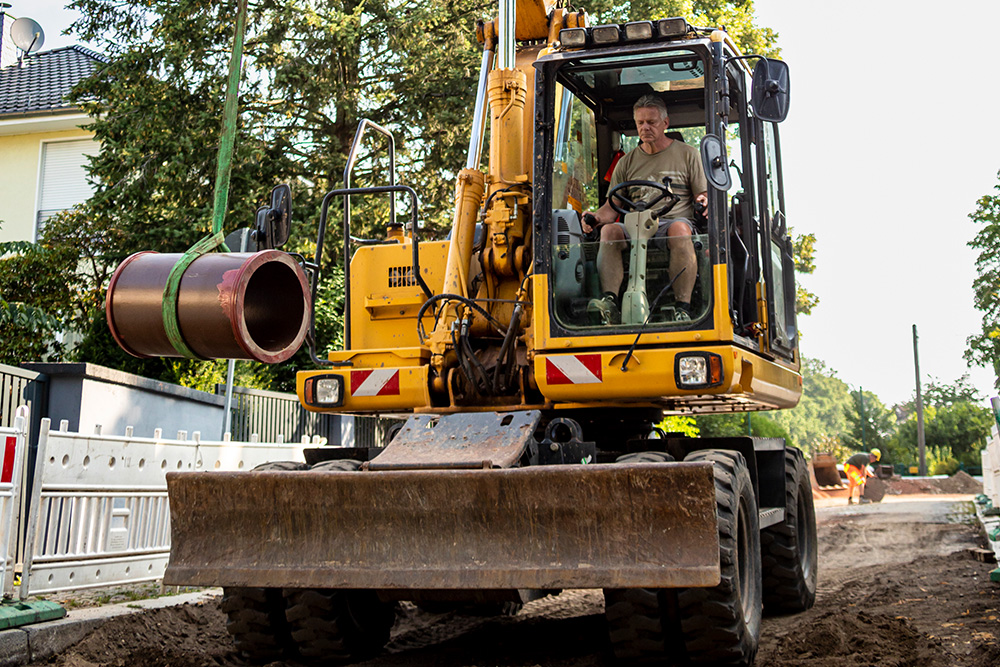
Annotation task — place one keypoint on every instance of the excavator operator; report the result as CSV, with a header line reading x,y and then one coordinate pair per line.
x,y
657,156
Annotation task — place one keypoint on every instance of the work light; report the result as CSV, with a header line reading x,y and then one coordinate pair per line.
x,y
573,38
606,34
638,30
675,27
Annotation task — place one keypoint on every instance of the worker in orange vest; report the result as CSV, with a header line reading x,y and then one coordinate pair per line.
x,y
857,471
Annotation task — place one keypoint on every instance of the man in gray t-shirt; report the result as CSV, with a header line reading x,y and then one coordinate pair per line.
x,y
656,156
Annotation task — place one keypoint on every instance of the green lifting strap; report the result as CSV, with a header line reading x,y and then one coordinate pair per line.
x,y
223,170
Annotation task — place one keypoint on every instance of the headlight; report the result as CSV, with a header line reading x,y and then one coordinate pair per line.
x,y
324,390
573,38
698,370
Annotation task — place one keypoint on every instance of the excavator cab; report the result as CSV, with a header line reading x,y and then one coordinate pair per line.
x,y
743,295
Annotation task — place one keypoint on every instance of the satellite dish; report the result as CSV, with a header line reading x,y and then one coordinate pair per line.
x,y
27,34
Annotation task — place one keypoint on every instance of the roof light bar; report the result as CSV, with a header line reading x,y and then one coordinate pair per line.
x,y
638,30
606,34
573,38
675,27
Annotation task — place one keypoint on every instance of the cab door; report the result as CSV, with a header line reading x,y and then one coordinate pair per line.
x,y
778,261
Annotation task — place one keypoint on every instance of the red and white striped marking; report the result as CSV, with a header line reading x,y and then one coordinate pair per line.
x,y
574,369
379,382
7,460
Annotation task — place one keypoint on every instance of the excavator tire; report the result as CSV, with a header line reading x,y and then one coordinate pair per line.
x,y
347,465
789,549
338,625
256,621
256,616
645,457
719,625
285,466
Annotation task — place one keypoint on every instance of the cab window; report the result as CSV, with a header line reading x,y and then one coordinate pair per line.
x,y
594,129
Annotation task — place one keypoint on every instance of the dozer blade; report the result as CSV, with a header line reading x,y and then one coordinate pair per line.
x,y
543,527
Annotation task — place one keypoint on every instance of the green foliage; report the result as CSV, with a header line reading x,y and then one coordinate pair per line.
x,y
942,463
869,424
983,348
804,249
35,300
940,394
679,424
818,420
727,426
959,428
736,16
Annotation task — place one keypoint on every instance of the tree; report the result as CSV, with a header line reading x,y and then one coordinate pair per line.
x,y
818,419
804,248
983,348
869,423
35,301
311,71
734,425
957,430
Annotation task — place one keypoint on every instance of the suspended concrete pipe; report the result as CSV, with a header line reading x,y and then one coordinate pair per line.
x,y
229,306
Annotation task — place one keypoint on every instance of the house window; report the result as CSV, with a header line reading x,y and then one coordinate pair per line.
x,y
63,181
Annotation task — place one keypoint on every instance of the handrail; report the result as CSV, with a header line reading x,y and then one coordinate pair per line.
x,y
320,238
352,157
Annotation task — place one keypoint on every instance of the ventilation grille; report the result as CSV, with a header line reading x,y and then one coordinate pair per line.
x,y
401,276
562,230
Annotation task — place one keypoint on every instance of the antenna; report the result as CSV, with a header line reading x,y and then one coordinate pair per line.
x,y
27,35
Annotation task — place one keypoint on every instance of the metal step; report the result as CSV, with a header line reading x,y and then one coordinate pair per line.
x,y
770,516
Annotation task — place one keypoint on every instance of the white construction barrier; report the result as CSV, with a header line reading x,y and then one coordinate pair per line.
x,y
99,514
991,469
12,445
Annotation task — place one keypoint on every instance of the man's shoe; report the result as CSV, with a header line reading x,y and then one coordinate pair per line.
x,y
604,310
681,315
850,501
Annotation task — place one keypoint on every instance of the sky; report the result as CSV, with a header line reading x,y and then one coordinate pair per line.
x,y
886,149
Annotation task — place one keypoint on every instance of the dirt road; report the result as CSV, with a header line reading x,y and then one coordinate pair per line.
x,y
896,588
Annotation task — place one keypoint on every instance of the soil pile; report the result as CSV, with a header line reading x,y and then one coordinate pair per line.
x,y
960,482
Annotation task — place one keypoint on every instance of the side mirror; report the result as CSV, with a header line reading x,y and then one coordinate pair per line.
x,y
274,223
769,92
714,162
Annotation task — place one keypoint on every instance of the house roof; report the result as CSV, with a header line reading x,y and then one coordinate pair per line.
x,y
45,79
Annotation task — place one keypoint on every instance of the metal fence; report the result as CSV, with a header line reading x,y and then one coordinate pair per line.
x,y
274,416
99,514
18,387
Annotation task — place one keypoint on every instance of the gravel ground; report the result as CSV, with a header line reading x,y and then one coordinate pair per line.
x,y
897,587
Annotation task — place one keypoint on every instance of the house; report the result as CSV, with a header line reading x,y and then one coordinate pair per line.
x,y
43,149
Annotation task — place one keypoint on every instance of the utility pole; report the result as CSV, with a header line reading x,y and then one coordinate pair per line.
x,y
921,449
861,400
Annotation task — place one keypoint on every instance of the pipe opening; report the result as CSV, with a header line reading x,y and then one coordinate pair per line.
x,y
273,307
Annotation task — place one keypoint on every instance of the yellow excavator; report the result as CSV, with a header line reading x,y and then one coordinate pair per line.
x,y
531,460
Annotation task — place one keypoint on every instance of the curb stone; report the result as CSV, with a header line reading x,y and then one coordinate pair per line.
x,y
19,646
991,526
